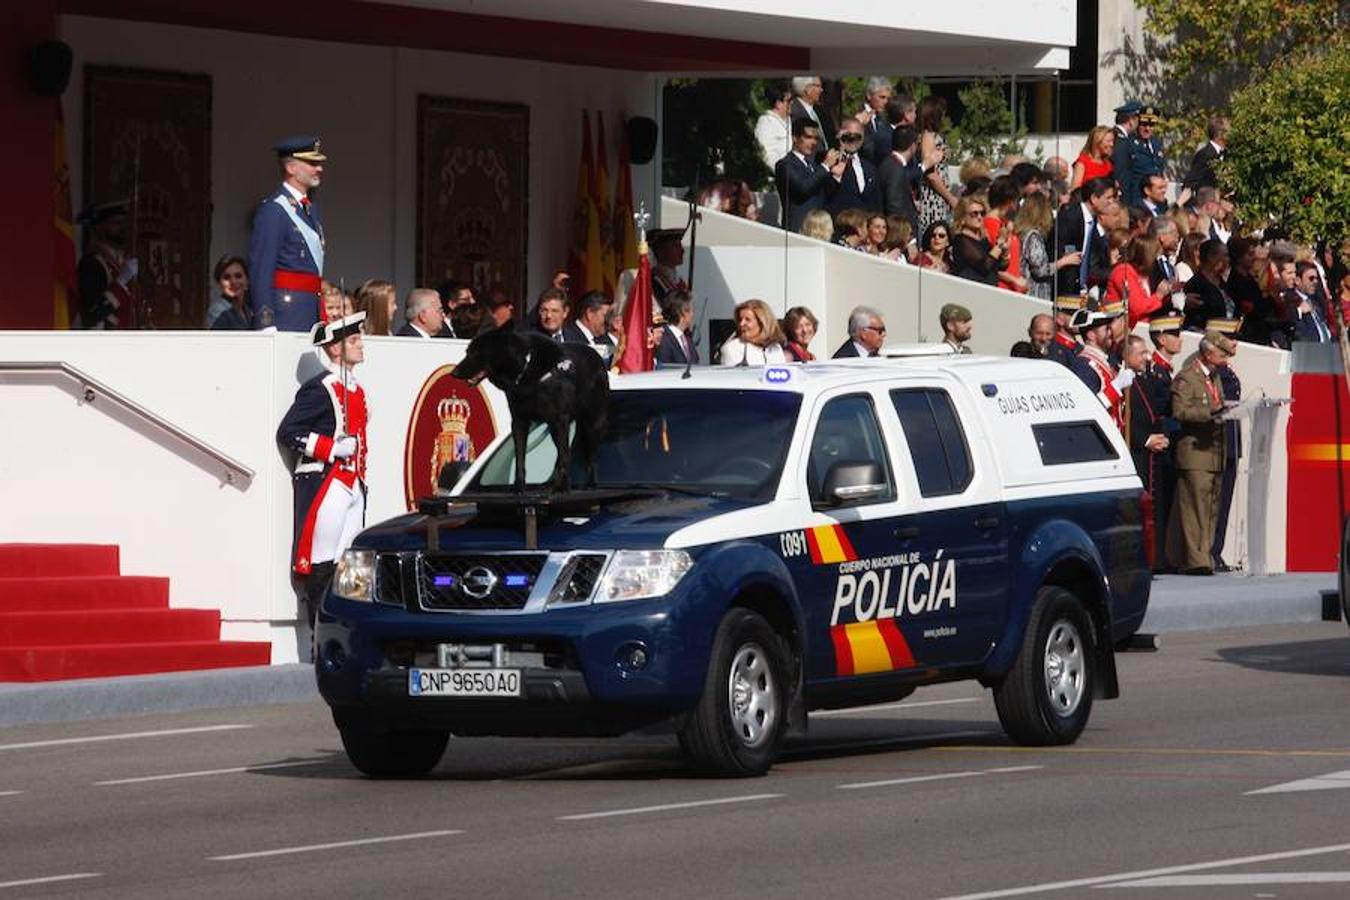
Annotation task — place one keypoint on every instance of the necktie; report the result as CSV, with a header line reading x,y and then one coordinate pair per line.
x,y
557,336
1087,255
684,342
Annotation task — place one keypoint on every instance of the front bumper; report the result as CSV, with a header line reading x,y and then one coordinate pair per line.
x,y
586,686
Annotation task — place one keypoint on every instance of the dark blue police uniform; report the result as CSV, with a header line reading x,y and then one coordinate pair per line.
x,y
285,257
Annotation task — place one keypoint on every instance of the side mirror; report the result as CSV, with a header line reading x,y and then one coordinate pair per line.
x,y
853,481
450,475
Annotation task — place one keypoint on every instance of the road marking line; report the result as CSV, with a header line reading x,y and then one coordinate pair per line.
x,y
9,793
855,710
1152,873
335,845
1330,781
205,772
666,806
1154,751
1228,880
131,735
939,777
74,876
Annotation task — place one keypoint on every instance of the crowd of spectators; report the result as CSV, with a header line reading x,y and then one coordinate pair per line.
x,y
1107,224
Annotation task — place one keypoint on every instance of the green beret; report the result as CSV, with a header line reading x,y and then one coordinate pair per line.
x,y
954,312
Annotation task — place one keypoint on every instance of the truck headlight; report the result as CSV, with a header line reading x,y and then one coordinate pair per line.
x,y
639,574
355,575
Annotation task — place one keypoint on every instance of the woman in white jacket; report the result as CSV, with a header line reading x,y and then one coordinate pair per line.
x,y
758,340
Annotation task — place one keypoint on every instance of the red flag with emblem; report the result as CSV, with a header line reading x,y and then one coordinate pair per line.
x,y
583,224
637,318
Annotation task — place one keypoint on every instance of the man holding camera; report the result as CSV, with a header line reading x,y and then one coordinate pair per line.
x,y
856,183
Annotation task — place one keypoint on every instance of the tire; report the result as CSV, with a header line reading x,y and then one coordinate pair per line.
x,y
382,752
1047,696
1343,571
738,724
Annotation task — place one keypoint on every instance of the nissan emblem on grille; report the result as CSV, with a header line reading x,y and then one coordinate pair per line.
x,y
479,582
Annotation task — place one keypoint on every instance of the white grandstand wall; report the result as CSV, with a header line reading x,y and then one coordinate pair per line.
x,y
74,471
738,260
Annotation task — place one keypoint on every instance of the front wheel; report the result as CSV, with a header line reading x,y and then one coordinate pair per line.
x,y
1047,696
738,724
1343,570
383,752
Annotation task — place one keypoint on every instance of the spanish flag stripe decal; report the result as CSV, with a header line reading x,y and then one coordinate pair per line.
x,y
843,654
828,540
1320,452
813,546
901,658
870,653
844,544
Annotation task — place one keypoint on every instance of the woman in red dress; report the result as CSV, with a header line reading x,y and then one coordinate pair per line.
x,y
1095,160
1129,280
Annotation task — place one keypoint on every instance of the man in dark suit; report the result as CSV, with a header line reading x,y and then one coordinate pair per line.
x,y
802,182
589,325
1305,307
1201,174
1206,296
1078,229
550,313
806,105
677,347
1169,240
866,334
897,183
856,184
1153,195
425,318
877,126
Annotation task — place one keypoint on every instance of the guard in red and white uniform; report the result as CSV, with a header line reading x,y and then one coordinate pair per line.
x,y
326,428
1092,364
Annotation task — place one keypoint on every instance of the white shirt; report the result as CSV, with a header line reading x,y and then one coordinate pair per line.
x,y
290,189
774,136
682,339
862,351
736,352
418,328
858,173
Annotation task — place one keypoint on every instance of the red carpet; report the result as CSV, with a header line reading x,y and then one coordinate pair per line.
x,y
65,612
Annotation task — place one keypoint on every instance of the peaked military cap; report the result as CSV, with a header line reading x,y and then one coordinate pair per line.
x,y
335,330
1224,326
301,147
1149,115
1164,323
1129,108
1069,302
99,213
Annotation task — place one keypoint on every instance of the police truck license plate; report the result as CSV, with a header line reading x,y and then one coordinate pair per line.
x,y
463,682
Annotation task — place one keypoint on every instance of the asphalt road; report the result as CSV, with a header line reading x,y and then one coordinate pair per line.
x,y
1224,771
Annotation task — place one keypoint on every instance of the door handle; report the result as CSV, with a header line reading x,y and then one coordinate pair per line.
x,y
905,532
985,523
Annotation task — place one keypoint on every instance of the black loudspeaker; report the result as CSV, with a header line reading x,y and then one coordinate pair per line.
x,y
49,67
641,140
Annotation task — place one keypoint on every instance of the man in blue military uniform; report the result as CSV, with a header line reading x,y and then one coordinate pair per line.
x,y
285,257
1232,393
1127,120
1146,157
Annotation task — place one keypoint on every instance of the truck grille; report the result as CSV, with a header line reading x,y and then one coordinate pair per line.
x,y
577,579
477,581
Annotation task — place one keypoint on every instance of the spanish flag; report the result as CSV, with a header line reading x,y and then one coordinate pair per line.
x,y
625,232
67,286
861,648
604,214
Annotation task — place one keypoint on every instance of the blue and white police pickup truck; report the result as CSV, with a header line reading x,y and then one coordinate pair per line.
x,y
760,543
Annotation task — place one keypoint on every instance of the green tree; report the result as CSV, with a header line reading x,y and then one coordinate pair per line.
x,y
710,131
986,127
1288,158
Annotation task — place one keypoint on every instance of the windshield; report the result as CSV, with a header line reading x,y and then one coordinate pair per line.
x,y
728,443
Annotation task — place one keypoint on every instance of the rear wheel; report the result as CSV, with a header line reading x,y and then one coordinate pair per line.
x,y
1047,697
383,752
738,724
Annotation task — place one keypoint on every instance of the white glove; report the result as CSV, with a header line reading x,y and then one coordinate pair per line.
x,y
130,269
1179,300
1124,379
344,447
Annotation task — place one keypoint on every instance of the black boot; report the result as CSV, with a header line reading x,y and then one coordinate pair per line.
x,y
314,587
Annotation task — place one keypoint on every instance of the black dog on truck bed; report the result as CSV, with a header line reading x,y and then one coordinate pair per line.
x,y
544,381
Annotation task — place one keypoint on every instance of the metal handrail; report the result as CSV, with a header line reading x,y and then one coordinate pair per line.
x,y
93,389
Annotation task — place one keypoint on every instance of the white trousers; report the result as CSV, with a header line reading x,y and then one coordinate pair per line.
x,y
341,515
